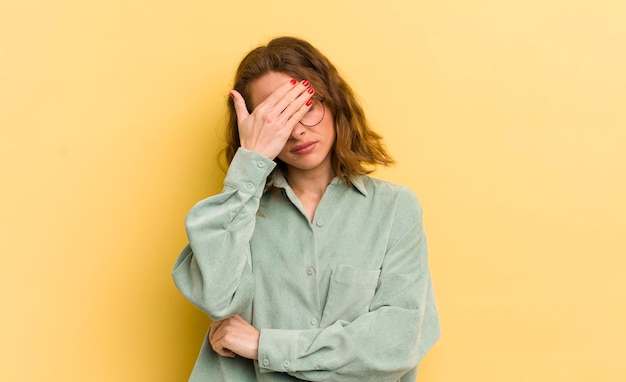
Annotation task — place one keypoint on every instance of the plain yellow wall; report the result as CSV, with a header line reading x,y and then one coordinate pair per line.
x,y
507,118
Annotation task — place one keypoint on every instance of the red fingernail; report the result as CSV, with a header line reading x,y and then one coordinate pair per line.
x,y
311,90
231,95
309,102
305,82
293,81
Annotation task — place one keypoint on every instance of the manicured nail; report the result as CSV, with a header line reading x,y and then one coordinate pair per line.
x,y
305,82
311,90
231,95
293,81
309,102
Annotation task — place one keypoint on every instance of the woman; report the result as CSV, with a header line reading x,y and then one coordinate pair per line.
x,y
310,269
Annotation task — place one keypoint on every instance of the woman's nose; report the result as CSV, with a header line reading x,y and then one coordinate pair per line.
x,y
298,131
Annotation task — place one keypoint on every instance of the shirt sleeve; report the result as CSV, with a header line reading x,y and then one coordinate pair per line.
x,y
214,270
382,345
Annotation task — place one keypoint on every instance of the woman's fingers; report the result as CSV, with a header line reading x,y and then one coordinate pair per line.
x,y
240,105
297,109
294,101
284,95
216,339
280,102
233,336
214,326
298,94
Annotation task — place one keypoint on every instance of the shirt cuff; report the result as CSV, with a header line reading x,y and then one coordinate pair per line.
x,y
248,172
278,350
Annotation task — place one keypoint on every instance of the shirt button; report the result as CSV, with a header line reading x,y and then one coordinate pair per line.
x,y
249,185
310,271
319,222
313,321
260,164
266,362
286,364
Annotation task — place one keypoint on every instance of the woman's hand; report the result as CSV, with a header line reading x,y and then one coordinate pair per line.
x,y
234,336
268,127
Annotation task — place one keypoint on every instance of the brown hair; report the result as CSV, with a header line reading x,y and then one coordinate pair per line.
x,y
356,146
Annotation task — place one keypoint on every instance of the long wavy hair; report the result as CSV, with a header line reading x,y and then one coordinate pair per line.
x,y
357,148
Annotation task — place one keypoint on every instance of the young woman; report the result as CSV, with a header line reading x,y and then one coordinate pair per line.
x,y
309,269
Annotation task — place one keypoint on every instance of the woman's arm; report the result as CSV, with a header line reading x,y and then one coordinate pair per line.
x,y
214,270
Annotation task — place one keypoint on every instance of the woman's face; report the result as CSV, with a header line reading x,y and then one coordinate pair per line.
x,y
308,148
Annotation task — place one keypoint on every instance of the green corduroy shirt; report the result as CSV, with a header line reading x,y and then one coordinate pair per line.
x,y
344,297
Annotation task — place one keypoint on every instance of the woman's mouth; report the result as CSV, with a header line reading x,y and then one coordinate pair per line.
x,y
304,148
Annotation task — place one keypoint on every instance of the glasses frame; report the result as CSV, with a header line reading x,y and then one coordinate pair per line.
x,y
321,119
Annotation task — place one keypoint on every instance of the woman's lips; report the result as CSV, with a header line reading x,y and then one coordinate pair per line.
x,y
303,148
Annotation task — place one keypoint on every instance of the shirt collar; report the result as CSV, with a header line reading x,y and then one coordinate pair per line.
x,y
277,179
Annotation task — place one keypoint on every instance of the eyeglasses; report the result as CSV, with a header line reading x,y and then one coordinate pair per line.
x,y
315,115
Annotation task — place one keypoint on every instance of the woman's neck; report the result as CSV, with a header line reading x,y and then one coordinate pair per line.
x,y
309,181
309,186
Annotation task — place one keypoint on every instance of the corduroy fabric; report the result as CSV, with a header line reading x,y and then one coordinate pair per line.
x,y
344,297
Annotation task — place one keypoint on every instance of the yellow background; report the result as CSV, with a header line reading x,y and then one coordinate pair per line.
x,y
506,117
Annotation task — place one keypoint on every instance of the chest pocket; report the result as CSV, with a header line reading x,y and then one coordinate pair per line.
x,y
349,294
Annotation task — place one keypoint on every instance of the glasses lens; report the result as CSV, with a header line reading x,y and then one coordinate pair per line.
x,y
315,114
